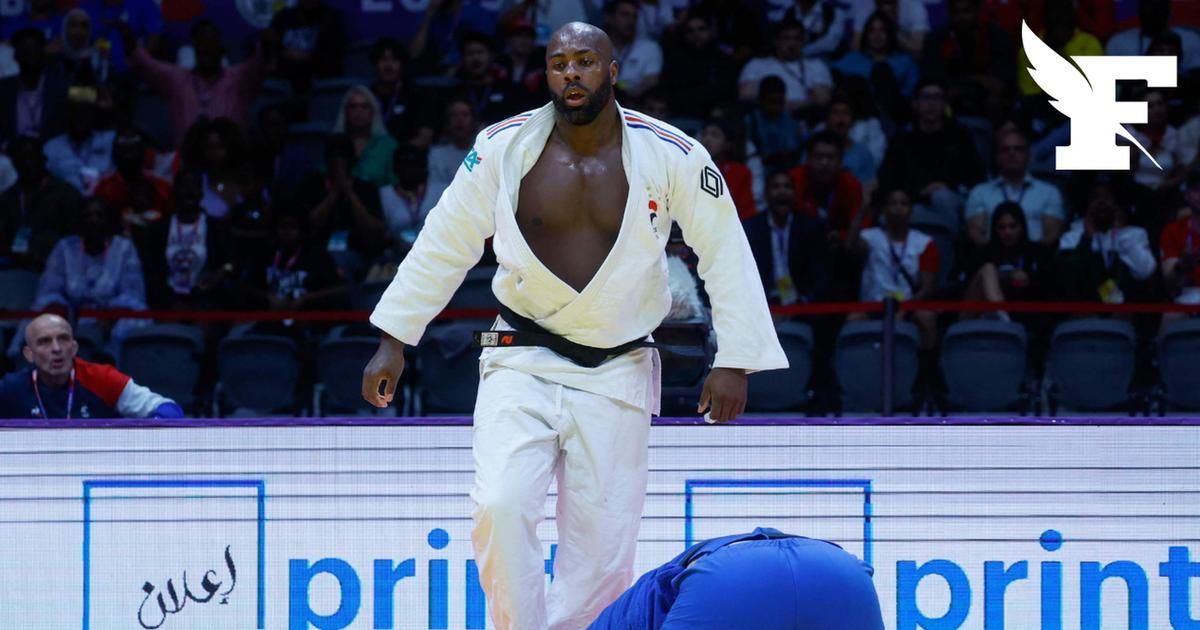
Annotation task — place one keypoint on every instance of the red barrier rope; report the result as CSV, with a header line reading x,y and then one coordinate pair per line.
x,y
831,308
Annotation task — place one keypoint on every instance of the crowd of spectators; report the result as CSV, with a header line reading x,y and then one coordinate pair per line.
x,y
873,148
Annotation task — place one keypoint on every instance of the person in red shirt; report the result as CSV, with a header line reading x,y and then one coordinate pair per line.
x,y
116,188
824,188
718,137
1179,247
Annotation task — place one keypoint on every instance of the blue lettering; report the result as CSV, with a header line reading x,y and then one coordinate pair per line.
x,y
908,613
1051,540
476,604
995,582
1091,579
386,577
300,576
1179,571
439,580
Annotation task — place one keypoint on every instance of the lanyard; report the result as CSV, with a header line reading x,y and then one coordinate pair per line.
x,y
1004,191
898,259
70,394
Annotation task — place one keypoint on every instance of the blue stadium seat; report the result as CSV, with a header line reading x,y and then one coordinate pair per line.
x,y
358,62
17,288
258,373
366,295
785,390
857,364
447,368
325,100
152,116
165,358
1178,348
983,362
341,358
309,138
1091,364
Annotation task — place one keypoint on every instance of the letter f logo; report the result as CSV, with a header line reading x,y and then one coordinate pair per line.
x,y
1089,99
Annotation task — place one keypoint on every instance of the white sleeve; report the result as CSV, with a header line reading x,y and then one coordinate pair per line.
x,y
914,17
449,245
975,204
137,401
700,202
818,74
1134,249
1054,204
834,33
752,71
654,59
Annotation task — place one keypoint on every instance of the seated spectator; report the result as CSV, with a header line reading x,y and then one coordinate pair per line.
x,y
790,247
117,188
764,579
217,149
901,263
826,24
482,83
975,58
83,154
825,190
1011,267
458,134
278,165
910,16
718,138
1154,18
1157,185
208,90
294,276
188,257
1101,258
1062,36
403,114
1041,203
402,202
360,120
772,133
697,74
313,42
94,269
123,24
639,60
936,157
807,80
868,126
523,61
42,16
881,58
59,384
342,210
856,157
37,211
1180,248
34,101
82,61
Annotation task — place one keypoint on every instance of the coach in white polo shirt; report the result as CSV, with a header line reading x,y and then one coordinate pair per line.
x,y
807,80
1042,202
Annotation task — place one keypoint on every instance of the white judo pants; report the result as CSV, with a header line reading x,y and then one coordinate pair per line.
x,y
528,430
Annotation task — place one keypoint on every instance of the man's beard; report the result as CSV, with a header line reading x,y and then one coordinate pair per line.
x,y
593,104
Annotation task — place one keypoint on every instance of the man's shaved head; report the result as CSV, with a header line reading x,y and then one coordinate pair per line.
x,y
50,346
580,72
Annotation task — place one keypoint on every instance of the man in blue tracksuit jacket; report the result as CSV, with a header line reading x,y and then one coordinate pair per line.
x,y
764,580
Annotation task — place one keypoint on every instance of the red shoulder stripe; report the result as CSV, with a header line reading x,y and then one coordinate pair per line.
x,y
102,380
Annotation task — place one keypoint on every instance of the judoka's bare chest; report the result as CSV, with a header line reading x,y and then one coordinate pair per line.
x,y
570,209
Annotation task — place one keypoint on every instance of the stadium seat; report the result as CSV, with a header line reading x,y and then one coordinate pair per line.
x,y
152,116
983,362
325,100
17,288
683,376
358,62
258,373
447,366
366,295
1178,348
341,358
146,351
785,390
856,362
476,290
92,343
1091,364
309,138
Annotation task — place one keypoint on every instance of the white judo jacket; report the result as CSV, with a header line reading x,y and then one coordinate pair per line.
x,y
671,179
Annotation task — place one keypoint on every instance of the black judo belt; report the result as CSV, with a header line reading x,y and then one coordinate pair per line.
x,y
528,333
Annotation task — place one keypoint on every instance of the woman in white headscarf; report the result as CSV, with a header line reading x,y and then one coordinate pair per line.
x,y
360,119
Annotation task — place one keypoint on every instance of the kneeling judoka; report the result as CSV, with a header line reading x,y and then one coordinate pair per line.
x,y
580,196
766,580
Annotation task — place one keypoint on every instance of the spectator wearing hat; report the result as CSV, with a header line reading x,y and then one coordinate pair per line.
x,y
59,384
83,154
